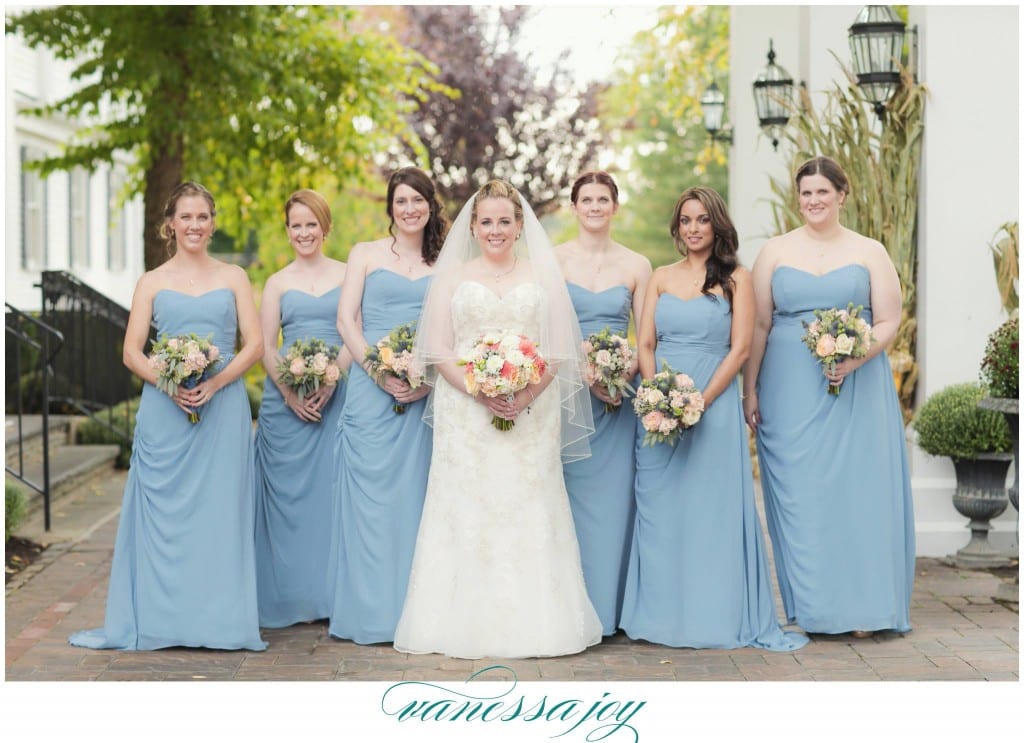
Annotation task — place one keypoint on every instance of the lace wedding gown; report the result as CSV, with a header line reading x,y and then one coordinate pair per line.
x,y
496,571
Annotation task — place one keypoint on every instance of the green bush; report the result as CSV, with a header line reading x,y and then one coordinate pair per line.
x,y
1000,368
950,424
93,432
15,507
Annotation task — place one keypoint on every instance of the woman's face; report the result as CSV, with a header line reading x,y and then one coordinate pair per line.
x,y
595,207
409,209
304,230
495,227
695,229
819,200
192,224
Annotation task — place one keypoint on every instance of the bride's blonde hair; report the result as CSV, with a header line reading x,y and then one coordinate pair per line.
x,y
497,189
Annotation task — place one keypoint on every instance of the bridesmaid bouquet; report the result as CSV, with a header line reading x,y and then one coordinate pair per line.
x,y
835,334
392,356
666,404
608,357
309,364
502,363
182,361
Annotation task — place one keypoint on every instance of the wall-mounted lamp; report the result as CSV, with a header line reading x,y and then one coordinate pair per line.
x,y
876,44
773,97
713,105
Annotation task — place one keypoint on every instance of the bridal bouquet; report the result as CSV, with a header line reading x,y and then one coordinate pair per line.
x,y
392,356
835,334
182,361
608,357
307,365
667,403
502,363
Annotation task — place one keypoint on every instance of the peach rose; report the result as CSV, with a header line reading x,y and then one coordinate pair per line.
x,y
332,374
213,353
826,346
298,367
684,380
652,421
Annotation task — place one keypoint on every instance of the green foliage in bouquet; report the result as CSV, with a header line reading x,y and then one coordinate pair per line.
x,y
1000,368
951,424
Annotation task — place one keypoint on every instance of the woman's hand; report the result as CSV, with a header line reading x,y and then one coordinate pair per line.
x,y
411,394
843,369
598,390
751,411
190,400
500,406
304,409
318,400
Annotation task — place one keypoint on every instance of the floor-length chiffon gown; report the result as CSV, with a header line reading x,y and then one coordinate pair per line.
x,y
601,487
497,567
295,480
184,571
382,459
698,572
834,469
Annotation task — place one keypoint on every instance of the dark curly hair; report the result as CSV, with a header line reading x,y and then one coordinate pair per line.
x,y
437,224
723,259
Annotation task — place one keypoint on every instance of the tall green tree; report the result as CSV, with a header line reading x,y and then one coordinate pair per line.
x,y
251,100
653,114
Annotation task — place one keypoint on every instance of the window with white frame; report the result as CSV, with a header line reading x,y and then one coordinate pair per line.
x,y
78,218
115,221
33,212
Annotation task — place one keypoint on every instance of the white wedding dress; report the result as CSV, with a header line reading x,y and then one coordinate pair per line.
x,y
496,571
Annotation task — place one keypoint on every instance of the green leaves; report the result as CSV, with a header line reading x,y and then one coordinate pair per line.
x,y
951,424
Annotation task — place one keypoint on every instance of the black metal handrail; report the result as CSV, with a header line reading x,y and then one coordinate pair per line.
x,y
44,341
90,376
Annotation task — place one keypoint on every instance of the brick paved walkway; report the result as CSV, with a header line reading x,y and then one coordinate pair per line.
x,y
960,634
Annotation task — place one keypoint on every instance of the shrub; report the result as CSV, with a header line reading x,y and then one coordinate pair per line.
x,y
951,424
1000,368
15,507
94,432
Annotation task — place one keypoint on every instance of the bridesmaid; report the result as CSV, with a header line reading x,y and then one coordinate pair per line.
x,y
184,571
606,283
698,570
295,439
382,457
834,468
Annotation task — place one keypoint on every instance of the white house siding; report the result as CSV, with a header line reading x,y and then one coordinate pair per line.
x,y
32,77
969,186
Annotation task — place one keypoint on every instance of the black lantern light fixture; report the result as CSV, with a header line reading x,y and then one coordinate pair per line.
x,y
713,105
876,45
773,97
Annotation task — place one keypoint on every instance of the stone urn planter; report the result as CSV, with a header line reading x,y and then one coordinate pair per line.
x,y
981,496
1009,407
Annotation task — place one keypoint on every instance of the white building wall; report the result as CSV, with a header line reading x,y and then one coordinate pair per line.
x,y
969,186
33,77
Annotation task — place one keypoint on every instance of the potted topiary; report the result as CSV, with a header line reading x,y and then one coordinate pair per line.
x,y
951,424
1000,373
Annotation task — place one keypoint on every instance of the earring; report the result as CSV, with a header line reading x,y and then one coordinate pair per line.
x,y
519,235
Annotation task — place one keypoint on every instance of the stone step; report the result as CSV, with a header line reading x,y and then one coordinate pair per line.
x,y
32,435
70,467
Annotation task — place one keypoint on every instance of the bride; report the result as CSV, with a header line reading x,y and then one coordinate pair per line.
x,y
496,571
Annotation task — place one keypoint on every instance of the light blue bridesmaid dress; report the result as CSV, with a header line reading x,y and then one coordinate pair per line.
x,y
834,470
295,480
698,570
184,570
601,487
382,463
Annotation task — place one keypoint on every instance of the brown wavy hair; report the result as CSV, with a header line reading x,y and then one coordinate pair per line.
x,y
437,223
723,259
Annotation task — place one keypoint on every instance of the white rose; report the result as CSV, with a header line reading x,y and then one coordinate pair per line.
x,y
516,358
690,416
844,344
494,364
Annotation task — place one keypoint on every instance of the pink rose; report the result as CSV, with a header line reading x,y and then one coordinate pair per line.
x,y
298,367
213,353
668,425
173,343
332,374
653,420
826,346
603,358
588,347
684,380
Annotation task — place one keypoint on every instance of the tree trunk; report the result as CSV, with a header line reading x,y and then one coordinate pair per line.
x,y
162,175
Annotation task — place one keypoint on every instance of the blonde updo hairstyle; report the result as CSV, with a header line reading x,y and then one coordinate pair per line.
x,y
499,190
182,190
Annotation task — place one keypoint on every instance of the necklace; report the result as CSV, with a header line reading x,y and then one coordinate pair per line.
x,y
515,260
